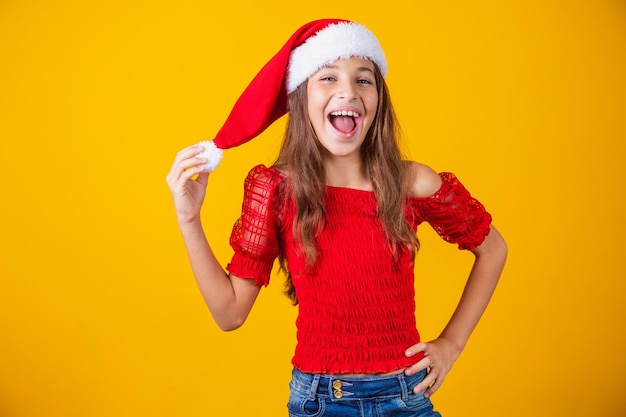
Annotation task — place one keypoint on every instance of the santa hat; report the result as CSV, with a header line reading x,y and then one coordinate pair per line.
x,y
264,101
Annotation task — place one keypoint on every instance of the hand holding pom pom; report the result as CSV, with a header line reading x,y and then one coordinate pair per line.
x,y
212,153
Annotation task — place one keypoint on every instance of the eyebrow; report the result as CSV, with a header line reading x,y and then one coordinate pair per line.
x,y
360,69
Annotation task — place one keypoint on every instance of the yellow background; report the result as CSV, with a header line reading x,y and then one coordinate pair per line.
x,y
99,315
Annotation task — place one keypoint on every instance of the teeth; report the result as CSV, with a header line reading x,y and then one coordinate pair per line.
x,y
345,113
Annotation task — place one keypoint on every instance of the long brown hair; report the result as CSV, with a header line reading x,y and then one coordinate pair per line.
x,y
302,156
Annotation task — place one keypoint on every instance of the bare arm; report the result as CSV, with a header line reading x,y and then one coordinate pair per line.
x,y
490,257
442,352
229,298
481,283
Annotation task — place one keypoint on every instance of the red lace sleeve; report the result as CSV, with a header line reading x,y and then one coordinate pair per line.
x,y
254,234
455,215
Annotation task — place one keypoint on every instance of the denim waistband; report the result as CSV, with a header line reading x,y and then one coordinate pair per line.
x,y
338,388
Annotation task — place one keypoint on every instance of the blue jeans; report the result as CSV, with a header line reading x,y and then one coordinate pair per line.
x,y
317,395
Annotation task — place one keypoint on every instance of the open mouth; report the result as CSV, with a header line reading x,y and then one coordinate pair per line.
x,y
344,121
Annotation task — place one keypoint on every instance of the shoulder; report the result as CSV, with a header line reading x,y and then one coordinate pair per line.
x,y
261,174
423,181
264,185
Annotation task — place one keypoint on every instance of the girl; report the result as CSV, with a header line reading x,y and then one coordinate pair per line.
x,y
339,209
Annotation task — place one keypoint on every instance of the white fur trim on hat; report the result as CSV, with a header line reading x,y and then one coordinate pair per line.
x,y
336,41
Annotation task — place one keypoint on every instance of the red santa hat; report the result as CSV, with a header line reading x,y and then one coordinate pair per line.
x,y
264,101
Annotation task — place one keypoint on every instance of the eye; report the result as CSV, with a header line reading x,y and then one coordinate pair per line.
x,y
327,78
365,81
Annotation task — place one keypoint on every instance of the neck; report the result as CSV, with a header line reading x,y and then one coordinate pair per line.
x,y
346,173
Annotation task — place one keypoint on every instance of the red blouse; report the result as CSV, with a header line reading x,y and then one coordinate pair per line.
x,y
357,305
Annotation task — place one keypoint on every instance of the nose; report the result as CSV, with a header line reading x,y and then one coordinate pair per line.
x,y
346,89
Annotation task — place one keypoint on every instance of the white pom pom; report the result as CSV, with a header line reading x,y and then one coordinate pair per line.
x,y
212,153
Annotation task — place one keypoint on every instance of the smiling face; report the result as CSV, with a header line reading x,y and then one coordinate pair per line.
x,y
342,104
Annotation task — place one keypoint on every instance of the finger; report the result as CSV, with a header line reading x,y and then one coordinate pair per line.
x,y
181,166
191,150
426,382
203,177
414,350
178,185
431,361
188,152
434,387
190,172
424,363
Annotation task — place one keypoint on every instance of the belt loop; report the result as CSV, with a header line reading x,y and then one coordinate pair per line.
x,y
404,389
314,385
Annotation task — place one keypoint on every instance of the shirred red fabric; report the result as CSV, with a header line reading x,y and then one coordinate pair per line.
x,y
357,304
